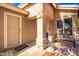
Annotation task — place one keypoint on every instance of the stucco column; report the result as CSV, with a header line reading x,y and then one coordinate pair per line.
x,y
41,29
41,34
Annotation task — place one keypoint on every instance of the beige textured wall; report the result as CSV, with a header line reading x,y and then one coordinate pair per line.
x,y
48,11
52,25
1,30
35,9
29,30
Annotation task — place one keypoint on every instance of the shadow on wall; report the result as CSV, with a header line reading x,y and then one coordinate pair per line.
x,y
29,30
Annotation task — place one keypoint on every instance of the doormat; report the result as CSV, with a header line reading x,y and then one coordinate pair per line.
x,y
20,47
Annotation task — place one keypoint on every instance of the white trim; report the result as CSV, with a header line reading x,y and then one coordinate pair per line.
x,y
20,30
5,31
5,27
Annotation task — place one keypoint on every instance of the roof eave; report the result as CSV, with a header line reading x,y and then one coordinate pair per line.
x,y
8,6
22,5
54,5
69,8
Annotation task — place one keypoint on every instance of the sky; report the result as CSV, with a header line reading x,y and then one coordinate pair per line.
x,y
15,4
68,3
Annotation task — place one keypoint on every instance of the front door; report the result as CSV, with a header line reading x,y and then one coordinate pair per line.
x,y
13,28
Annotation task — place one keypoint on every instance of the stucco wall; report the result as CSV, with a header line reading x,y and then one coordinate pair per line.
x,y
52,28
29,30
1,30
35,9
48,11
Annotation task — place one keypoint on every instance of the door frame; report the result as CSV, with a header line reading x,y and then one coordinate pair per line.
x,y
5,27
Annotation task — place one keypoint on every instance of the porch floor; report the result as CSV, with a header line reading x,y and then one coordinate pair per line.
x,y
32,50
11,52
